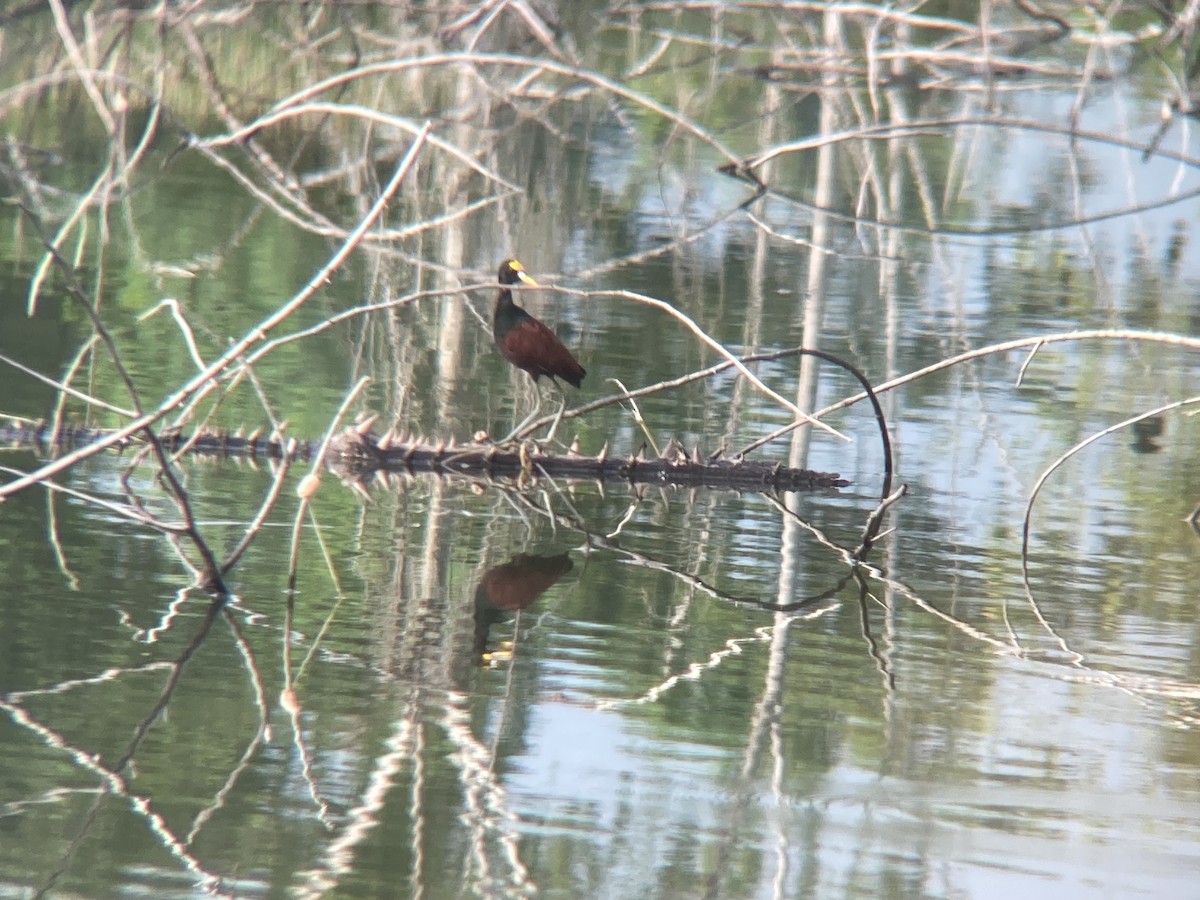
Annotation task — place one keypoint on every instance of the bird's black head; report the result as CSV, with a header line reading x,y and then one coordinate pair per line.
x,y
512,272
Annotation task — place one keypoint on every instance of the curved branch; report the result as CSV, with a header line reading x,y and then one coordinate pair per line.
x,y
1158,337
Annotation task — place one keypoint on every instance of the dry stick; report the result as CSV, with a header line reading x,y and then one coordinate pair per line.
x,y
1008,230
1078,660
1012,65
180,496
309,483
19,95
82,71
375,116
261,393
65,389
1156,687
886,499
43,267
244,367
818,535
1089,67
847,10
871,529
1062,459
188,338
123,510
887,130
259,518
435,293
208,83
313,477
391,235
779,236
150,131
185,415
658,387
1159,337
124,165
1042,16
60,403
198,430
256,334
277,178
407,299
802,418
501,59
637,416
467,19
1029,357
540,30
319,225
316,223
55,539
207,576
961,625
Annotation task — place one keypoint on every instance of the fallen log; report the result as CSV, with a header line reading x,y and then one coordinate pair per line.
x,y
358,453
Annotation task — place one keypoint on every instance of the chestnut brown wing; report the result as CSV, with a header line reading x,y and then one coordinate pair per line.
x,y
531,346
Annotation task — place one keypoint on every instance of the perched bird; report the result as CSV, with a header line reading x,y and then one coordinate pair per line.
x,y
530,345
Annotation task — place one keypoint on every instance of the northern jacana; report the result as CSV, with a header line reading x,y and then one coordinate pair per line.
x,y
510,588
530,345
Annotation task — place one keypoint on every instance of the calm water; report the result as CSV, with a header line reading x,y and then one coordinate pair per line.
x,y
577,691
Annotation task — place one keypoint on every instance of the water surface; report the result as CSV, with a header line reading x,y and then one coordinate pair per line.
x,y
699,694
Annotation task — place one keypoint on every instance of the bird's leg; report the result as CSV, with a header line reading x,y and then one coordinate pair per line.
x,y
537,406
558,416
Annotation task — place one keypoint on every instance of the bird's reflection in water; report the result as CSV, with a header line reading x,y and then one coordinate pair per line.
x,y
510,588
1145,431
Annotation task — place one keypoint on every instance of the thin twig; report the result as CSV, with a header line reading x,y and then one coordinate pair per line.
x,y
309,483
119,509
66,389
1157,337
260,517
258,333
1033,351
501,59
1124,423
637,415
802,418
